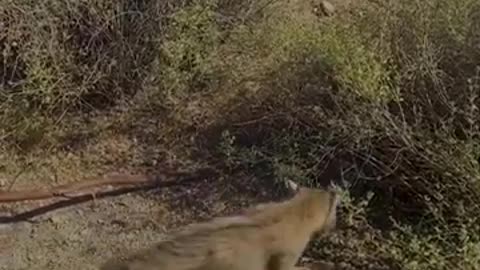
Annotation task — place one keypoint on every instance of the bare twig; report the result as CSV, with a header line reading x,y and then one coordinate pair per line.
x,y
97,185
65,190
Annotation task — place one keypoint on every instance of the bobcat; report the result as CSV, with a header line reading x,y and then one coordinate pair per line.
x,y
269,236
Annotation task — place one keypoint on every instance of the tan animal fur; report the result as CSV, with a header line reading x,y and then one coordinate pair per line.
x,y
270,236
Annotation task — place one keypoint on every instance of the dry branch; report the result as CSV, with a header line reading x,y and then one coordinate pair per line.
x,y
100,184
87,186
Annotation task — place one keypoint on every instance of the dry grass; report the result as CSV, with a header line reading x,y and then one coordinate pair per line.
x,y
383,100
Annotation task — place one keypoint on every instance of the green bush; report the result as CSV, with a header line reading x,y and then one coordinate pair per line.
x,y
61,57
188,52
390,93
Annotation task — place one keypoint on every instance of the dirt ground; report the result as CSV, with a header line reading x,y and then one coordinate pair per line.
x,y
83,235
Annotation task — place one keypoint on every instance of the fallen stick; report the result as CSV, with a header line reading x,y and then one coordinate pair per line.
x,y
27,215
73,189
65,190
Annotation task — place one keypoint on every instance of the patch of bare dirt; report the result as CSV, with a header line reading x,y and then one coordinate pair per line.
x,y
82,236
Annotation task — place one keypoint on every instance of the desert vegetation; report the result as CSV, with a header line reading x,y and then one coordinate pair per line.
x,y
381,98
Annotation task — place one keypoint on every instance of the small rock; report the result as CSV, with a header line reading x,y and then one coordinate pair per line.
x,y
326,8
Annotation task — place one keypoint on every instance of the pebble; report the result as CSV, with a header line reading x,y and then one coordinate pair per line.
x,y
327,8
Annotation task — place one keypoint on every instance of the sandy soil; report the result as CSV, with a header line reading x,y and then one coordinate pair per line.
x,y
83,235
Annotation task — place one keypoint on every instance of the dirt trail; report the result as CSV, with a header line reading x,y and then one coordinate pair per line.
x,y
84,235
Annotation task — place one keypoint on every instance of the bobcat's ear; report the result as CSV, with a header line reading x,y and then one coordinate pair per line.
x,y
333,187
292,186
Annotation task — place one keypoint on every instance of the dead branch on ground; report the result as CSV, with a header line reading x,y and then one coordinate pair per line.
x,y
95,185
